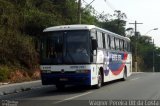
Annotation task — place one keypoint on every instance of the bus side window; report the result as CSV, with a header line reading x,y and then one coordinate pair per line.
x,y
112,43
121,44
109,41
117,44
120,48
104,41
93,34
93,52
100,41
125,46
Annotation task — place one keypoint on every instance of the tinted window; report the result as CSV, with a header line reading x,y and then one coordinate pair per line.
x,y
100,41
104,41
125,46
112,42
121,44
65,47
117,43
107,41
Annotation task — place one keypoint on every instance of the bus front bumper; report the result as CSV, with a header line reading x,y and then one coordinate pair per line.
x,y
73,79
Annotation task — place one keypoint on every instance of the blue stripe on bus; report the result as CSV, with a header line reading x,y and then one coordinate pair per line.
x,y
75,78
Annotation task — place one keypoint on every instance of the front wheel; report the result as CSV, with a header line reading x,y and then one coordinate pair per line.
x,y
99,81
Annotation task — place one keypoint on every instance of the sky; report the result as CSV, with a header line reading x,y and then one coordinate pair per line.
x,y
142,11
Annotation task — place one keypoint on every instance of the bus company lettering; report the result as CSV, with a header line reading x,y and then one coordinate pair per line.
x,y
116,57
77,67
46,68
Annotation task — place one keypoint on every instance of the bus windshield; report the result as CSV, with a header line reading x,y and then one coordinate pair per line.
x,y
65,47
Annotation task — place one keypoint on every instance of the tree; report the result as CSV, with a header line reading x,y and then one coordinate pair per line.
x,y
117,24
145,50
120,20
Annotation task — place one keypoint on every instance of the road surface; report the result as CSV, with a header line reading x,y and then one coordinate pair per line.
x,y
139,86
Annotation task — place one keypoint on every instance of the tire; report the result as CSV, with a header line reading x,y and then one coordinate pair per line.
x,y
125,74
99,85
60,86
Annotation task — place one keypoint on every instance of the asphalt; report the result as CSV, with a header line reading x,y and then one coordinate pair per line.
x,y
19,87
139,89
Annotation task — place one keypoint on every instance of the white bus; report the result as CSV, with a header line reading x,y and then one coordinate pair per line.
x,y
83,55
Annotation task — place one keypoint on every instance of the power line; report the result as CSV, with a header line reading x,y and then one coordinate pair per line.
x,y
88,4
85,2
110,5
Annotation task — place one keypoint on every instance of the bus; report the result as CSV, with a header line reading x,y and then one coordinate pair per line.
x,y
83,55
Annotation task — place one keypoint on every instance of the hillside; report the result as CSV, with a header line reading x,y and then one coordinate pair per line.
x,y
21,23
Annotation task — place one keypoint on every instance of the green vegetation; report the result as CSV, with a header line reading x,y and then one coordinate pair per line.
x,y
4,71
145,51
22,22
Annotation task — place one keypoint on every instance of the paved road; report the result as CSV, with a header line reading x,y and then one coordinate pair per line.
x,y
140,86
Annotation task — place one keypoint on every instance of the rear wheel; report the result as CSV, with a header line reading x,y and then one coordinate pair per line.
x,y
99,80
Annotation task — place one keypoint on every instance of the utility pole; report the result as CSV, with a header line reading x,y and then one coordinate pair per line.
x,y
79,12
135,33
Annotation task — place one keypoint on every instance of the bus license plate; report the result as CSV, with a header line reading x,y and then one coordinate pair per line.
x,y
63,79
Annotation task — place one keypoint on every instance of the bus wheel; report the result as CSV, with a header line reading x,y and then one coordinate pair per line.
x,y
99,80
125,74
60,86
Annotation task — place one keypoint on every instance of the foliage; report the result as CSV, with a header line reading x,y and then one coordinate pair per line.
x,y
145,51
116,24
22,22
4,71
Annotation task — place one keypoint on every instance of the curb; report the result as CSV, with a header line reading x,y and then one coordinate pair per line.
x,y
19,87
137,72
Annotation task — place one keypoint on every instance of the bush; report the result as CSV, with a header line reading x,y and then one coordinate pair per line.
x,y
4,71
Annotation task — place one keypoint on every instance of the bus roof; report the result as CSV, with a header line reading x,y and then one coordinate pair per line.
x,y
69,27
81,27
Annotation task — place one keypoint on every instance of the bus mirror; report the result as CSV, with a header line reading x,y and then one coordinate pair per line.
x,y
94,44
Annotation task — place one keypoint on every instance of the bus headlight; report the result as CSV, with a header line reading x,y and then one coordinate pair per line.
x,y
83,71
46,71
